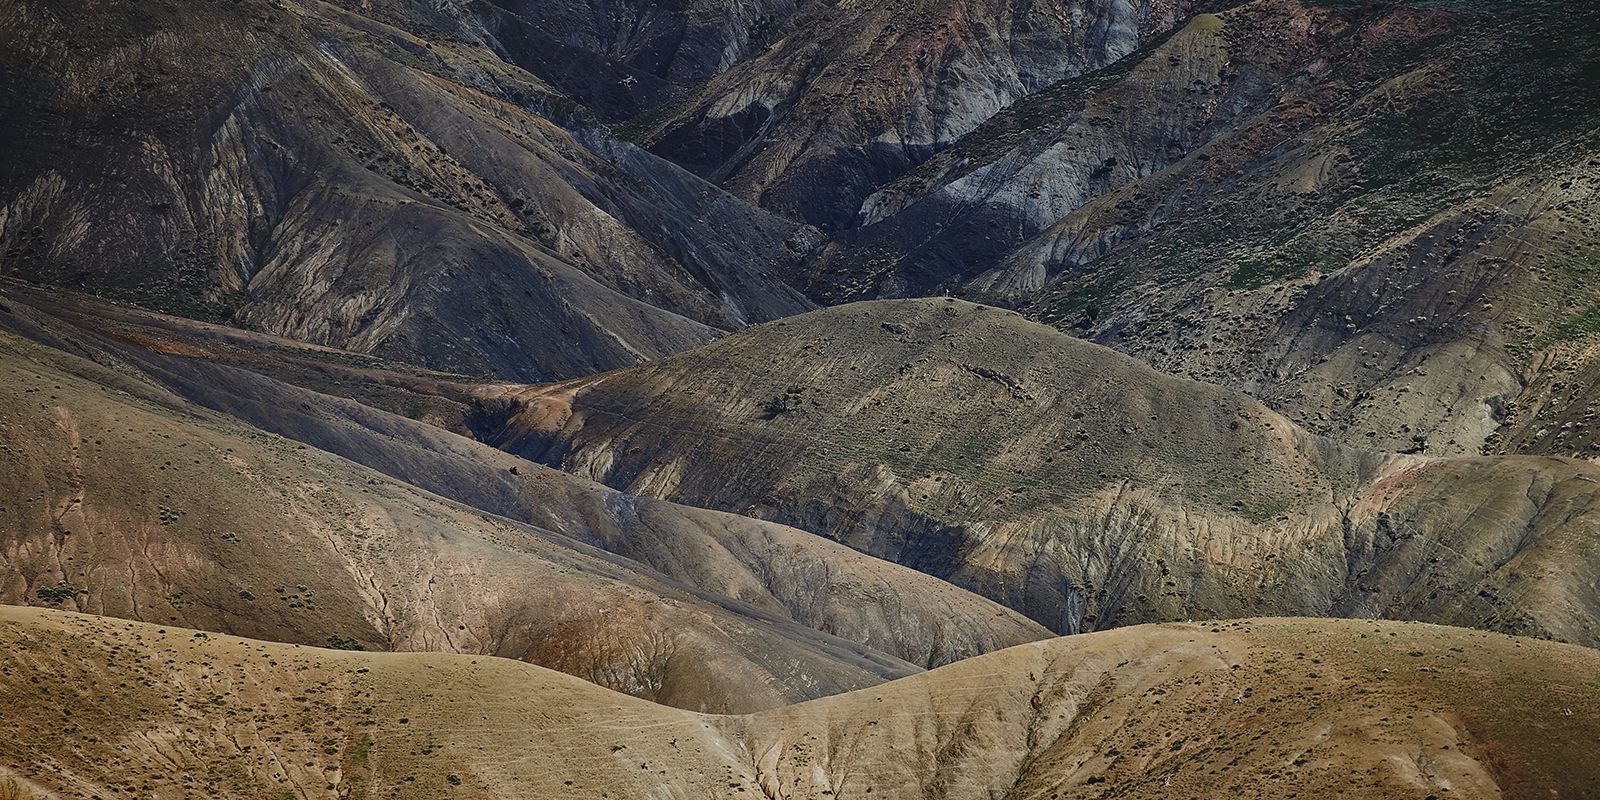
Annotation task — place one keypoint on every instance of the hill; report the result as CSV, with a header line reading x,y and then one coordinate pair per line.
x,y
1286,707
1068,481
368,176
767,569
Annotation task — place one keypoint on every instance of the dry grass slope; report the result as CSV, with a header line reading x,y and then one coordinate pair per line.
x,y
1272,707
1070,482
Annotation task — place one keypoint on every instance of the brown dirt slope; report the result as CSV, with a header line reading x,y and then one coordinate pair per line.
x,y
1070,482
121,498
1270,707
775,569
376,183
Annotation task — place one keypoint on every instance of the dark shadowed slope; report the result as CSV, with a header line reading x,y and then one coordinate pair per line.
x,y
1070,482
372,183
859,93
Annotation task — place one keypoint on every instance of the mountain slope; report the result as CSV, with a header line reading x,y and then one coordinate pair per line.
x,y
1354,709
859,93
621,59
128,501
778,571
1378,218
379,186
1069,482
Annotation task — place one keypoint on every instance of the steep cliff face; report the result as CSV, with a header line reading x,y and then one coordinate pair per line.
x,y
1069,482
859,93
321,174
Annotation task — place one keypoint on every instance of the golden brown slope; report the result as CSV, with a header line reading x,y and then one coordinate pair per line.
x,y
1271,708
1070,482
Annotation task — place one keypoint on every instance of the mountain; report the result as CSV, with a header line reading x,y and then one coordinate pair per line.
x,y
1378,218
134,501
373,183
683,399
1346,708
859,93
1067,481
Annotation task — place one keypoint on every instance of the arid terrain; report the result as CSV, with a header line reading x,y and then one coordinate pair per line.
x,y
1071,482
1327,707
793,399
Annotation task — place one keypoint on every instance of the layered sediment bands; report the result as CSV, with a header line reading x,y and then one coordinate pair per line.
x,y
1069,482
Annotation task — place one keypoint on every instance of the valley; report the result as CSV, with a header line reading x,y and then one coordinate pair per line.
x,y
797,399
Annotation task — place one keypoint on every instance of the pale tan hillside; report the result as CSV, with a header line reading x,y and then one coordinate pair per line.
x,y
1253,708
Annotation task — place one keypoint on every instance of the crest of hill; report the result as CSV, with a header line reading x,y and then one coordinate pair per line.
x,y
1068,481
1354,709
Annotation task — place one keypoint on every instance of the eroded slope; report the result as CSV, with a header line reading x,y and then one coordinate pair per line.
x,y
125,500
774,569
1068,481
373,183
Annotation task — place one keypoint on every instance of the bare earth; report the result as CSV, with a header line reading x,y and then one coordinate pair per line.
x,y
1250,708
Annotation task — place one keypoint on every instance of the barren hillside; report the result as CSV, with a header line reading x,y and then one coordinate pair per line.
x,y
1068,481
1325,708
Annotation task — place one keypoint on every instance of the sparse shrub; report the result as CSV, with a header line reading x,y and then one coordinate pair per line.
x,y
58,594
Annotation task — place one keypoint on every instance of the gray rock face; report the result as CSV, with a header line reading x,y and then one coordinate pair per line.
x,y
859,93
947,225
